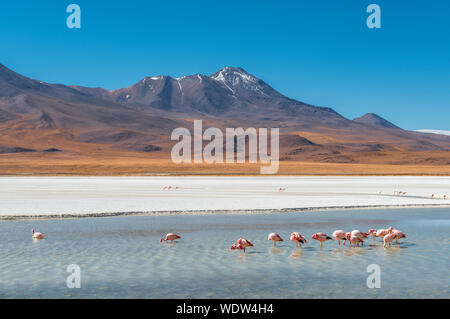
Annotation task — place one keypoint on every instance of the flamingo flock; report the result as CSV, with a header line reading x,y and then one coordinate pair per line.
x,y
168,188
354,237
396,193
433,196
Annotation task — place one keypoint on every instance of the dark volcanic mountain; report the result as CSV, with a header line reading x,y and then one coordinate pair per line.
x,y
230,93
37,117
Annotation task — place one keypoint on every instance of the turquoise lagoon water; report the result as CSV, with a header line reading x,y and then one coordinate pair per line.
x,y
121,257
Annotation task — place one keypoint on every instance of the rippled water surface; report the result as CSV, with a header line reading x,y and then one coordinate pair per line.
x,y
121,257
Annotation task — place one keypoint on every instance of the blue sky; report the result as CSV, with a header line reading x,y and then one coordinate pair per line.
x,y
319,52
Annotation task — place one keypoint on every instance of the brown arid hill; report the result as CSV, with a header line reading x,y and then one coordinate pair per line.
x,y
58,129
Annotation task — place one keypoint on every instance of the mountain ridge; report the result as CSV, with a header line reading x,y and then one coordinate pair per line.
x,y
229,92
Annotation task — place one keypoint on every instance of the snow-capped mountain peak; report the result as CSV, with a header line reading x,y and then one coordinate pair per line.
x,y
238,78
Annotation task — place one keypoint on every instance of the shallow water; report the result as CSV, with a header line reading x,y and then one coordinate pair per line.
x,y
121,257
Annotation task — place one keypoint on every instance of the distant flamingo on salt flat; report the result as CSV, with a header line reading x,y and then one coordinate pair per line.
x,y
37,235
274,237
298,239
170,236
321,237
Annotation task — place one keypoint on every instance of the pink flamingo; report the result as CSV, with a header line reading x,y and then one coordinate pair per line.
x,y
298,239
169,236
359,235
373,233
362,235
383,232
398,234
241,244
339,235
355,240
347,235
321,237
37,235
274,237
388,239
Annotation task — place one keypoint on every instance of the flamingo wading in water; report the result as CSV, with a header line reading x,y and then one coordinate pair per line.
x,y
241,244
321,237
298,238
359,235
387,240
274,237
339,235
398,234
169,236
355,240
383,232
373,233
37,235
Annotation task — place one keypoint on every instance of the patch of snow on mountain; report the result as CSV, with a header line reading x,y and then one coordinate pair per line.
x,y
441,132
238,78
